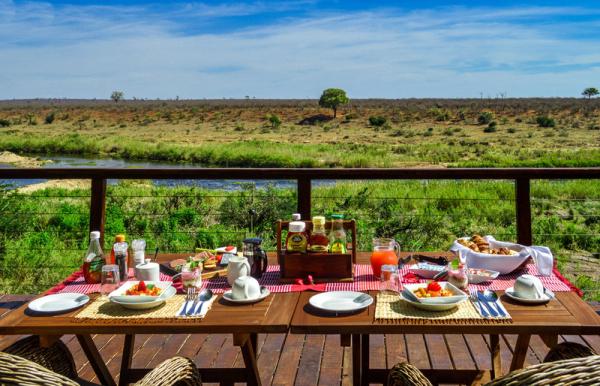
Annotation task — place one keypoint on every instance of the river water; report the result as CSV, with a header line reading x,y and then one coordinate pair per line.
x,y
79,162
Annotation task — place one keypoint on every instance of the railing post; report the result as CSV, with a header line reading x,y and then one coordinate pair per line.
x,y
523,203
98,207
304,197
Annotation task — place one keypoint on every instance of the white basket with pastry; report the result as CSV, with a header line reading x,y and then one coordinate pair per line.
x,y
488,253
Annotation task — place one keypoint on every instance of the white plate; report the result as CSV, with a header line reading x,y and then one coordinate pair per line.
x,y
229,297
457,295
58,302
426,270
120,297
340,301
476,279
510,292
433,306
167,294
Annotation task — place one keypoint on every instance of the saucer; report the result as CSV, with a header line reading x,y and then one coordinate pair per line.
x,y
510,292
227,295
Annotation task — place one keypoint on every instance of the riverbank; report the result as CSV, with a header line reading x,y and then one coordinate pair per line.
x,y
9,158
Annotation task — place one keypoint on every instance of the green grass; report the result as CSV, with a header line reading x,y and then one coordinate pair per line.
x,y
44,233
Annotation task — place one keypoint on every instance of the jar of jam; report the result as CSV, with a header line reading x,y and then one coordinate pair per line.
x,y
319,242
297,238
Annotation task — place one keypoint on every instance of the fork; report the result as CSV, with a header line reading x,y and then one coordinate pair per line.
x,y
188,297
362,298
194,297
475,300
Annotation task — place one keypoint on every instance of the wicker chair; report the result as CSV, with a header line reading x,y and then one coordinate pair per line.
x,y
567,363
25,363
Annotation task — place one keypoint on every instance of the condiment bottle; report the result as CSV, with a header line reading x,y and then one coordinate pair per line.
x,y
93,260
319,242
120,256
297,238
337,236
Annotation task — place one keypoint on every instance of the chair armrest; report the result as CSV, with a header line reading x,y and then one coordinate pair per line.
x,y
177,371
575,371
568,350
15,370
405,374
56,358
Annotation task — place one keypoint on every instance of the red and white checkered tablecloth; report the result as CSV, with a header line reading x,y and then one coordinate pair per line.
x,y
363,281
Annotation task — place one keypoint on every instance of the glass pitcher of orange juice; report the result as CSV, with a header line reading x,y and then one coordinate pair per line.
x,y
385,251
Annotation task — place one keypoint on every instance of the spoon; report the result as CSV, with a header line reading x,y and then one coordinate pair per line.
x,y
492,297
205,294
408,293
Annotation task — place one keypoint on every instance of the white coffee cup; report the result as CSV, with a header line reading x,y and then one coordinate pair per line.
x,y
529,287
147,271
245,288
238,266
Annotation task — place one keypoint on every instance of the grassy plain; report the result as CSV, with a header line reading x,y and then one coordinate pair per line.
x,y
238,132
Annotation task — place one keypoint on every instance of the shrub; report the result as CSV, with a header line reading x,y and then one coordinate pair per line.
x,y
377,121
274,120
49,118
512,130
448,131
491,128
545,121
4,123
485,117
440,115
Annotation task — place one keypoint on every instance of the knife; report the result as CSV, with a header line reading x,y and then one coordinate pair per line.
x,y
483,301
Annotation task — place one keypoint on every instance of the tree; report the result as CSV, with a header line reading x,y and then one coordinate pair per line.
x,y
590,92
116,96
332,98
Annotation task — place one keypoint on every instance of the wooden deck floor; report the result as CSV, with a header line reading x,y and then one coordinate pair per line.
x,y
303,359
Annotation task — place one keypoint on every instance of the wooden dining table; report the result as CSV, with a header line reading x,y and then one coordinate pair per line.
x,y
243,321
291,312
567,314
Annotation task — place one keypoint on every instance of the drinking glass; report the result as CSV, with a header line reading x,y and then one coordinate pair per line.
x,y
389,280
191,277
110,279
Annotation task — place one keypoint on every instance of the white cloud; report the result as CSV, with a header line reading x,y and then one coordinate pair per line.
x,y
453,52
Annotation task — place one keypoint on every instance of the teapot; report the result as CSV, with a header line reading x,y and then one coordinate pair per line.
x,y
257,257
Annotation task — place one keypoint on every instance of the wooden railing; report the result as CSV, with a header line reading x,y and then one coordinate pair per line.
x,y
521,176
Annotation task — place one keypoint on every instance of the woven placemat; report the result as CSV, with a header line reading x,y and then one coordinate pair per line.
x,y
102,309
391,307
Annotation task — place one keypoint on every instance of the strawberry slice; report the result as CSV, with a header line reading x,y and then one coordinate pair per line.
x,y
141,286
434,286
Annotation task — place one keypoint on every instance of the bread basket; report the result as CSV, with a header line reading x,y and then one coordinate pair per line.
x,y
501,263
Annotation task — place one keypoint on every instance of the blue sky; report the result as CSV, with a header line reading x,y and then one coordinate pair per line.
x,y
295,49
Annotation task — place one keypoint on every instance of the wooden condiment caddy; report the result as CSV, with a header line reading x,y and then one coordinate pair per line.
x,y
323,266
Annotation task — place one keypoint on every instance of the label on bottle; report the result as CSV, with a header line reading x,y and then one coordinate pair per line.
x,y
96,263
296,243
338,246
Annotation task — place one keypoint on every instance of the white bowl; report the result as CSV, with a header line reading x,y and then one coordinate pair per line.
x,y
167,293
453,301
426,270
457,295
486,275
119,294
503,264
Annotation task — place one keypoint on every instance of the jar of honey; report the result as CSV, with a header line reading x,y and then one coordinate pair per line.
x,y
319,242
297,238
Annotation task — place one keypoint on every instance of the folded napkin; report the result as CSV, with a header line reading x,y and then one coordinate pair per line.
x,y
544,261
486,314
200,310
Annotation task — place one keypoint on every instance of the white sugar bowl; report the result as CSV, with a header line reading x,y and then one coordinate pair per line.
x,y
147,271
